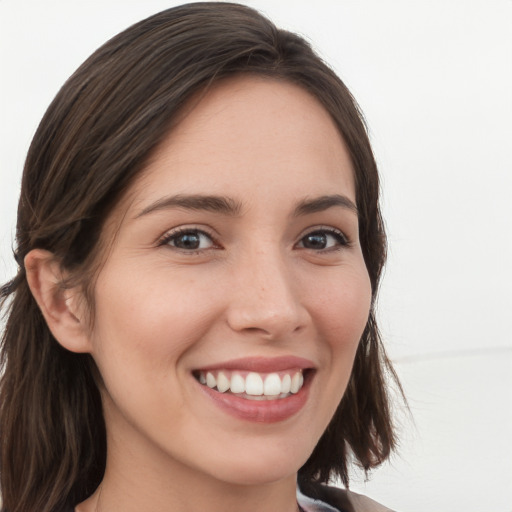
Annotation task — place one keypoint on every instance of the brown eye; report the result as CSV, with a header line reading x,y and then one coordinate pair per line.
x,y
189,240
322,240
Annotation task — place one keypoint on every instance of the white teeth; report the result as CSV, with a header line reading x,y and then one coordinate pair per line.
x,y
237,383
272,385
222,382
211,382
286,384
297,382
254,384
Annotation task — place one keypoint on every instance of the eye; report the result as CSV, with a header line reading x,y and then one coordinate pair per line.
x,y
189,240
323,239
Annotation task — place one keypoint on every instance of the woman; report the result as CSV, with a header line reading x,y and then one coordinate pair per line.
x,y
199,246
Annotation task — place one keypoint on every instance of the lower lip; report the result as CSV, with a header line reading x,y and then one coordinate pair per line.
x,y
259,411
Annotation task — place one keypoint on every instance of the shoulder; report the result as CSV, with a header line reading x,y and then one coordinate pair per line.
x,y
363,504
345,501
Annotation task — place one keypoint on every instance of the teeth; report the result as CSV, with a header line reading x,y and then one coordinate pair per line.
x,y
222,382
237,383
286,384
254,385
297,381
211,382
272,385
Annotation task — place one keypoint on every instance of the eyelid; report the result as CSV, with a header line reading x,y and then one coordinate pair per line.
x,y
345,242
179,230
164,239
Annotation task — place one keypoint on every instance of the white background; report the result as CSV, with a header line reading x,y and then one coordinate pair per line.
x,y
434,80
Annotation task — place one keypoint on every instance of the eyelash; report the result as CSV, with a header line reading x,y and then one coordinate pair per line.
x,y
174,235
342,240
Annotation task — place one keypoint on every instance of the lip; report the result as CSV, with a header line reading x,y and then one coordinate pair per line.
x,y
262,364
264,411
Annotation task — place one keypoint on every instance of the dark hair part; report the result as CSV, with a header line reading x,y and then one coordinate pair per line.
x,y
95,138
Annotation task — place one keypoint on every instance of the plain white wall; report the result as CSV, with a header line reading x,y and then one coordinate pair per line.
x,y
434,80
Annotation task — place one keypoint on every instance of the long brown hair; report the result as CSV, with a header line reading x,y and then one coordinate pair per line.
x,y
94,139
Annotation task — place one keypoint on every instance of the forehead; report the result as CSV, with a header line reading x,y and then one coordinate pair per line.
x,y
248,133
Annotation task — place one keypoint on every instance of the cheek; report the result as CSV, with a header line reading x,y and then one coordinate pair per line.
x,y
150,320
144,328
343,305
339,306
341,316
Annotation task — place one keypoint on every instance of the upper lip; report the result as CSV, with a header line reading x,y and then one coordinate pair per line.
x,y
262,364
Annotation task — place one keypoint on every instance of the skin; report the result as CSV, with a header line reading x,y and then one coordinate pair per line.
x,y
255,286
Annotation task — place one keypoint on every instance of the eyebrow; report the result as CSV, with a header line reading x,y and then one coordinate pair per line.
x,y
216,204
322,203
228,206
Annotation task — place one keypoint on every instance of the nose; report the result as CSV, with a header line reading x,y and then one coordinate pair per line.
x,y
265,297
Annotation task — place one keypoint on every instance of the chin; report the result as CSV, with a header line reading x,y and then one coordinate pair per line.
x,y
261,474
271,463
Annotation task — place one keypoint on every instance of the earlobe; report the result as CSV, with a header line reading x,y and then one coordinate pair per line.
x,y
61,307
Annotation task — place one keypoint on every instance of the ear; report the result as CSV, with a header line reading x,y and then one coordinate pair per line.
x,y
63,308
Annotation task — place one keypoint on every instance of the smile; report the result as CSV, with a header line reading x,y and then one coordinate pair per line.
x,y
258,389
253,385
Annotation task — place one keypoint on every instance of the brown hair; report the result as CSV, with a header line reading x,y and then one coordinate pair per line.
x,y
94,139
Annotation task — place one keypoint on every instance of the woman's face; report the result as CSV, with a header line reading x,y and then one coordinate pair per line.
x,y
229,310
